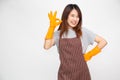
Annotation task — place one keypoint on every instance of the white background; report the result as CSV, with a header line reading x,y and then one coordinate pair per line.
x,y
23,26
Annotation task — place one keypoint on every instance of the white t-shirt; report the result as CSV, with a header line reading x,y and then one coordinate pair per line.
x,y
87,37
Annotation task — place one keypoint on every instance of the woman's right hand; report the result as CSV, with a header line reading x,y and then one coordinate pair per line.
x,y
53,23
49,41
53,20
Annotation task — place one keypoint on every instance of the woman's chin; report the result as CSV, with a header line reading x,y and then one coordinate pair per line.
x,y
73,26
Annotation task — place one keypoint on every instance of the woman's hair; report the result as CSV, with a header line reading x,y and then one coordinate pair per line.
x,y
64,25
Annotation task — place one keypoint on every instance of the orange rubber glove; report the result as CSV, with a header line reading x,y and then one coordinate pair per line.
x,y
53,23
92,53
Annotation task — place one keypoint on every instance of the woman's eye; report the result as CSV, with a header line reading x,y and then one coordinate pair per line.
x,y
72,15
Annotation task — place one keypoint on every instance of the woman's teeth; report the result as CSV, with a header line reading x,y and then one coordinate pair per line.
x,y
73,23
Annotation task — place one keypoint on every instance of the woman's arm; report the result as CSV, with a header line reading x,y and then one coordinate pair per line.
x,y
48,43
49,40
101,42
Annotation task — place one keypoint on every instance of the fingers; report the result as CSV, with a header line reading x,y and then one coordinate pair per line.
x,y
58,21
50,15
55,13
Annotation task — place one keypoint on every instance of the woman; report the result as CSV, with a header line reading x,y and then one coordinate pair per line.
x,y
72,41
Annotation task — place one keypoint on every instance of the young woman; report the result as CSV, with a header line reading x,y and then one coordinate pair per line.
x,y
72,40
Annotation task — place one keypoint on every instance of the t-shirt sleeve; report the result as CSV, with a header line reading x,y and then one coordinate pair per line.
x,y
56,37
90,36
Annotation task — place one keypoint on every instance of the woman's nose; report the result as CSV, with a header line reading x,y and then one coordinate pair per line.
x,y
75,18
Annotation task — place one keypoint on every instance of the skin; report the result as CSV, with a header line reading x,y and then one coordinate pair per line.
x,y
73,20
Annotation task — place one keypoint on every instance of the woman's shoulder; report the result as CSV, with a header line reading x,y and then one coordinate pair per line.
x,y
84,29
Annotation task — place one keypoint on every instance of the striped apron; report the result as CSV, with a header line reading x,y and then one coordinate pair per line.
x,y
72,63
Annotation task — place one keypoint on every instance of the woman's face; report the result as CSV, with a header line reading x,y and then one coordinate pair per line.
x,y
73,18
